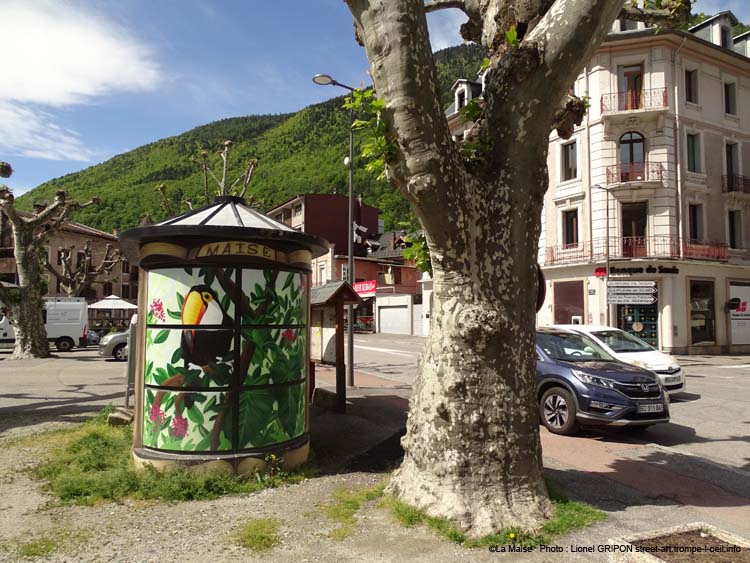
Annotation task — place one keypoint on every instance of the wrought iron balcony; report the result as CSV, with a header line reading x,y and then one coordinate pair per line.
x,y
635,172
652,98
736,184
621,248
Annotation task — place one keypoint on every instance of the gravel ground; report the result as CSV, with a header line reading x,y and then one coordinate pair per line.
x,y
139,532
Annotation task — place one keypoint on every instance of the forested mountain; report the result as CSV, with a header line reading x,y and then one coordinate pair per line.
x,y
299,153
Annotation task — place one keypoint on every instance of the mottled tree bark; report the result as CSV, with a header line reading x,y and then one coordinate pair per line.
x,y
25,304
472,448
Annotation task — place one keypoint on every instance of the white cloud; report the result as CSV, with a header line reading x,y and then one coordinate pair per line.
x,y
33,133
444,26
59,54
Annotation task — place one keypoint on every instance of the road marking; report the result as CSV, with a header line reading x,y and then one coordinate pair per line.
x,y
741,366
387,351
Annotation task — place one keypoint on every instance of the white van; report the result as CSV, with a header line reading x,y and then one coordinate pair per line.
x,y
65,319
632,350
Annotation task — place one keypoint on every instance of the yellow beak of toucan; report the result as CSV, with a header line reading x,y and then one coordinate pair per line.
x,y
195,305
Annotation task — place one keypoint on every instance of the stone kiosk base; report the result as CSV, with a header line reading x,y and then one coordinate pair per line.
x,y
240,464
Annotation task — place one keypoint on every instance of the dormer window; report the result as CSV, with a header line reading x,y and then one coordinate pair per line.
x,y
628,25
460,99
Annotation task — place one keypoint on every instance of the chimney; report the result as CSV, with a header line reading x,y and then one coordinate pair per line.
x,y
360,199
115,231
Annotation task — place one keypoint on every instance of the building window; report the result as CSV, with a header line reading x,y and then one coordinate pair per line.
x,y
632,157
59,286
691,86
107,289
702,314
732,159
730,98
460,99
80,257
695,217
628,25
726,37
569,161
125,291
694,152
344,272
322,273
59,257
297,210
734,219
570,227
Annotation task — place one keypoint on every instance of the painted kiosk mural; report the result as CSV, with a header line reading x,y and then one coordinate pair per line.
x,y
223,362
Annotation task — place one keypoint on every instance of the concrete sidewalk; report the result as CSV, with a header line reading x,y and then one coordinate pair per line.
x,y
641,486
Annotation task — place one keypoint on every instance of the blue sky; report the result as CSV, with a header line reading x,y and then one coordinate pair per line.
x,y
89,79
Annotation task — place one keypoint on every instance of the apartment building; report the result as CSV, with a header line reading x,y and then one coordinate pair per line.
x,y
646,222
387,283
123,281
646,219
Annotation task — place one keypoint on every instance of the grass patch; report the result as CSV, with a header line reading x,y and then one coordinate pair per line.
x,y
260,534
44,545
344,507
567,515
92,464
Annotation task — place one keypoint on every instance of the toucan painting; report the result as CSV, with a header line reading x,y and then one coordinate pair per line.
x,y
203,308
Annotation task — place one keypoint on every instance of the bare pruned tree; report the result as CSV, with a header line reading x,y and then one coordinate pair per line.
x,y
236,188
78,272
31,232
472,448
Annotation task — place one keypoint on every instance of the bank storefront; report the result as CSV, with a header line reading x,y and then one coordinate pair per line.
x,y
682,307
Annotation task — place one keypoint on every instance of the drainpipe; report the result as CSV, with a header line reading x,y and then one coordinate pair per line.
x,y
677,132
588,149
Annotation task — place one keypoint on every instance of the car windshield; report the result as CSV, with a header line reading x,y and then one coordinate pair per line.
x,y
571,347
621,341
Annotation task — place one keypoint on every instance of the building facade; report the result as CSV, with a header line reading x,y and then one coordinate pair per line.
x,y
646,221
392,298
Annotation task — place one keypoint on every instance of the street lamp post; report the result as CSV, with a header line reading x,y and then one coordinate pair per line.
x,y
606,254
326,80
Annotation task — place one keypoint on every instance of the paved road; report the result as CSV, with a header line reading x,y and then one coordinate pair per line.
x,y
711,420
67,387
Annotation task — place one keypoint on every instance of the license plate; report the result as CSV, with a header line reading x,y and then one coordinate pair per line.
x,y
654,407
673,379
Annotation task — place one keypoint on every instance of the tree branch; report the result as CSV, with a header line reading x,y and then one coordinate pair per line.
x,y
677,12
404,76
435,5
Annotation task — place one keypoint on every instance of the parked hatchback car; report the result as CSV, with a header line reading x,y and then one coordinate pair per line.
x,y
579,383
115,344
630,349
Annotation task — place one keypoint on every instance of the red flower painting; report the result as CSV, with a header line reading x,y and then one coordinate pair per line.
x,y
157,309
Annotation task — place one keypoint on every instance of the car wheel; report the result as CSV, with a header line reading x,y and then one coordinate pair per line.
x,y
119,353
64,345
557,410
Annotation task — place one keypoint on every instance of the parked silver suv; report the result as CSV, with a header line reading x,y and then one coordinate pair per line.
x,y
115,344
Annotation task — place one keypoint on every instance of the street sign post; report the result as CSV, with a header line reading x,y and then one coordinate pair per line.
x,y
631,292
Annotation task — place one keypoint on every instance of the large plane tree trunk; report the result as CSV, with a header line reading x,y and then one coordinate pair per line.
x,y
472,448
27,306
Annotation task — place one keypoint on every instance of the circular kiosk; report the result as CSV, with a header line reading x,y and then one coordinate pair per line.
x,y
223,350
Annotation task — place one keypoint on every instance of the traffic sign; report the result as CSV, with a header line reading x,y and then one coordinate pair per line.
x,y
631,290
631,283
631,299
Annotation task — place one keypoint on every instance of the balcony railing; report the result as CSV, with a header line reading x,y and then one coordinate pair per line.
x,y
653,98
736,184
635,172
636,247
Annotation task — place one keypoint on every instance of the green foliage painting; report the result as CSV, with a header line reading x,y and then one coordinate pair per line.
x,y
197,381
